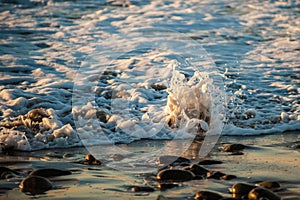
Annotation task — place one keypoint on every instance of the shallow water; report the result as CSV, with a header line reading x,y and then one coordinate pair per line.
x,y
264,159
253,45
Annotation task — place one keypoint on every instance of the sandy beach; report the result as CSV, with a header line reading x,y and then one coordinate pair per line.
x,y
265,158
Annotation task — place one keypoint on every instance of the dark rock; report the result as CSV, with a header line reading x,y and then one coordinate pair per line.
x,y
237,153
228,177
102,116
233,147
35,185
25,32
262,193
269,184
110,73
209,162
141,189
174,175
107,94
215,175
241,189
50,172
166,186
207,195
198,170
172,160
91,160
158,87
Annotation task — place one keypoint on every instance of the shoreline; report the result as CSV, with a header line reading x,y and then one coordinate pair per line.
x,y
265,158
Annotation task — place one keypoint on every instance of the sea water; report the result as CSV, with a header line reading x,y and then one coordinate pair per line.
x,y
87,73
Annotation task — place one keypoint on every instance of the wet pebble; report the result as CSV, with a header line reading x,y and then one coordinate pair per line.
x,y
50,172
166,186
91,160
35,185
158,87
269,184
107,94
241,189
237,153
262,193
198,170
102,116
110,73
233,147
141,189
210,162
215,175
207,195
174,175
228,177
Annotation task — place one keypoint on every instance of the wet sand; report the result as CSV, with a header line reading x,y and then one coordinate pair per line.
x,y
265,158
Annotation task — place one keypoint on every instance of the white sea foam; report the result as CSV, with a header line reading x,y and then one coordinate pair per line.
x,y
147,89
38,129
255,47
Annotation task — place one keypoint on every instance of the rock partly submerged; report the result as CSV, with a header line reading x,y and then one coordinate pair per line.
x,y
269,184
262,193
207,195
141,189
174,175
91,160
241,189
228,177
198,170
209,162
258,192
233,147
49,172
35,185
166,186
215,175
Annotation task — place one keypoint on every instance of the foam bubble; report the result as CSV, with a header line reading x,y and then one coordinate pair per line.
x,y
37,129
